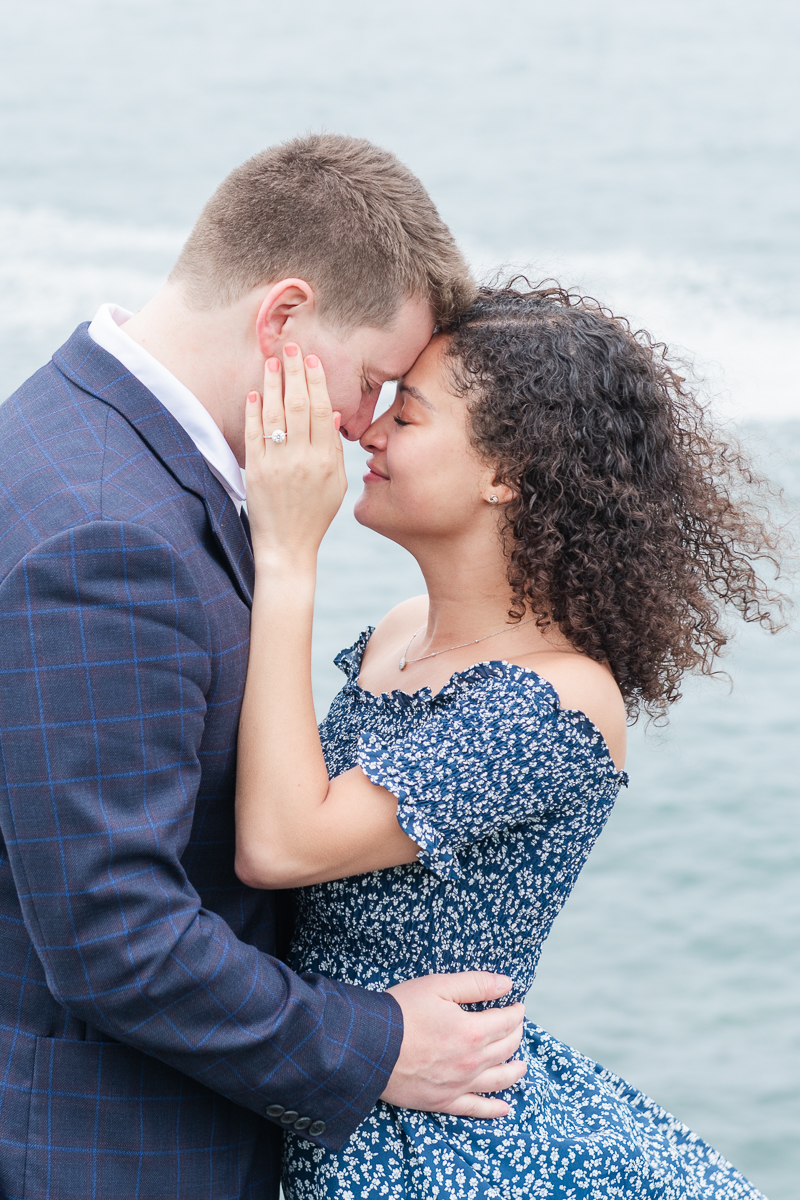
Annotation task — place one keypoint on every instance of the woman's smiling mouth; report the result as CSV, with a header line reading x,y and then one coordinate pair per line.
x,y
373,475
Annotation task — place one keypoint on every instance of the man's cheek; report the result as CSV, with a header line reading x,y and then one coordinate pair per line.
x,y
347,401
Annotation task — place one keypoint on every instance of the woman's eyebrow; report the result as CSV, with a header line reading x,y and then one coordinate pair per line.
x,y
415,393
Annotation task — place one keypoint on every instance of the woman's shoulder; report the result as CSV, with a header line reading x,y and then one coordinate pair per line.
x,y
529,691
408,615
587,687
389,631
392,632
576,683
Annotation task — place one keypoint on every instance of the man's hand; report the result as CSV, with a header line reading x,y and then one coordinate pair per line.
x,y
449,1055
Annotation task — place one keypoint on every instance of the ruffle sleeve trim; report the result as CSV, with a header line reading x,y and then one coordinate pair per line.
x,y
376,761
349,660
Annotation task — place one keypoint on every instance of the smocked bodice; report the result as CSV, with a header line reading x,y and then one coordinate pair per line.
x,y
505,794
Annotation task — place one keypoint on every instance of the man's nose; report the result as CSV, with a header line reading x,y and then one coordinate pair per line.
x,y
354,430
358,425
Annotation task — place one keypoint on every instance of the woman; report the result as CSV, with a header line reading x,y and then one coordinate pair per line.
x,y
577,531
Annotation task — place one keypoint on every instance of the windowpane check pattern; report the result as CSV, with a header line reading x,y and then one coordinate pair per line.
x,y
146,1022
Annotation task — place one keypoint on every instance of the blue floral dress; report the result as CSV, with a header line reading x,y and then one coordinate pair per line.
x,y
505,793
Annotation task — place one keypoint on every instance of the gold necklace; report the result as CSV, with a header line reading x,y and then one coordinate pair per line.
x,y
404,662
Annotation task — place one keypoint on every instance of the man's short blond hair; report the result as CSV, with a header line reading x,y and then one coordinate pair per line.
x,y
339,212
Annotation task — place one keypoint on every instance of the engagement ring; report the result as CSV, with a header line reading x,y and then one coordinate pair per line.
x,y
277,436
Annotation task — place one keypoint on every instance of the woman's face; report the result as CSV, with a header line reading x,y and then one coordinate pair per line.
x,y
424,478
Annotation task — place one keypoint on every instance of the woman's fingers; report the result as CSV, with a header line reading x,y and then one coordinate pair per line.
x,y
253,432
293,489
274,416
295,395
321,414
296,398
324,422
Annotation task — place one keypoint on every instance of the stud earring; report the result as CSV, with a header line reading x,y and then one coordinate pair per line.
x,y
493,500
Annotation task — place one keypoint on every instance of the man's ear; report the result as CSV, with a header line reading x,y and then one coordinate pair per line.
x,y
283,304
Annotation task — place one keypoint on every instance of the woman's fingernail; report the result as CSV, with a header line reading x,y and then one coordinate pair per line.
x,y
312,360
252,397
273,364
291,349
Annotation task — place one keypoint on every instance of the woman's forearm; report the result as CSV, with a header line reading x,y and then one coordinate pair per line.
x,y
293,825
282,780
295,487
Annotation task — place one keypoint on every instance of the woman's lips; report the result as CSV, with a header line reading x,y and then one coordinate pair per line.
x,y
373,476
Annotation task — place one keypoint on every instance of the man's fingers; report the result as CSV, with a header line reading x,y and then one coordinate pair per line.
x,y
446,1050
507,1047
482,1107
295,395
496,1025
497,1079
504,1022
472,987
274,416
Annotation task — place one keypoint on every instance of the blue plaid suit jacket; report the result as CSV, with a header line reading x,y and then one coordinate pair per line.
x,y
145,1028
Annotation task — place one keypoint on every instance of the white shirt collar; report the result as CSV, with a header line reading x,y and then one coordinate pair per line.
x,y
175,396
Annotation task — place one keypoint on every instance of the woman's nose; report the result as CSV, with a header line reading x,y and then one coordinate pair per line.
x,y
374,438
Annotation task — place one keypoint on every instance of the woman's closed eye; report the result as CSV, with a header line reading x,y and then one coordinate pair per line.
x,y
400,421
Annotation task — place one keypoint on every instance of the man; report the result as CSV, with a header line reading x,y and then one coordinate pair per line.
x,y
152,1043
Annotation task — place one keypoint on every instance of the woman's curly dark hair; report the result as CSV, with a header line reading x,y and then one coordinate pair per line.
x,y
633,524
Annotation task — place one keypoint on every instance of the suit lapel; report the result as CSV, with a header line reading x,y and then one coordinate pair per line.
x,y
96,371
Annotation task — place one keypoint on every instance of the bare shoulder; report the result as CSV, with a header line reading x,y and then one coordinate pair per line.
x,y
396,627
403,619
588,687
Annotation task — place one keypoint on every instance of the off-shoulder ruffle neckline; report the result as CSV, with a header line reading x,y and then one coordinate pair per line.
x,y
349,661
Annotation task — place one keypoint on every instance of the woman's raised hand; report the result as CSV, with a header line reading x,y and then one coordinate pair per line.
x,y
295,485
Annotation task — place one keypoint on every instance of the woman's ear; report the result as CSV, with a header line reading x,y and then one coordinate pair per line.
x,y
495,493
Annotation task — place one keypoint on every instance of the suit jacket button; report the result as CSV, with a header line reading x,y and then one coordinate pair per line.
x,y
289,1117
275,1111
302,1123
317,1128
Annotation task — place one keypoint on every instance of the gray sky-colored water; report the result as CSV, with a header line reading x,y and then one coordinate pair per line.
x,y
649,151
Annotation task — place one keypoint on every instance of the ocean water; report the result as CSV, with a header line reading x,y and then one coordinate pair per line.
x,y
646,152
676,961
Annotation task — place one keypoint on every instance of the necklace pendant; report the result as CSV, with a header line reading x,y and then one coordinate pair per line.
x,y
402,664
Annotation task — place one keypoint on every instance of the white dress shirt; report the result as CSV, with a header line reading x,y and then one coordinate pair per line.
x,y
176,398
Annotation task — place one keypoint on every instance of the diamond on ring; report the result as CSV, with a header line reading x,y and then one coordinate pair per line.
x,y
277,436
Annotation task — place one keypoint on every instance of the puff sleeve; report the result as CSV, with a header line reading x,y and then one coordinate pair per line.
x,y
499,752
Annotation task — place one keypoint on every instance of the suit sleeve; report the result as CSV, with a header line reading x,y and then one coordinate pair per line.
x,y
102,707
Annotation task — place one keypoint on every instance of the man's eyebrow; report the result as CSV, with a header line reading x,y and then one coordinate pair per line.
x,y
415,393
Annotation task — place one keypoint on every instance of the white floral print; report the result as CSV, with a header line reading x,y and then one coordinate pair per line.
x,y
505,793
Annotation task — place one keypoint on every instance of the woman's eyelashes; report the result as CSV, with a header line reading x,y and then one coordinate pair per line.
x,y
400,421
